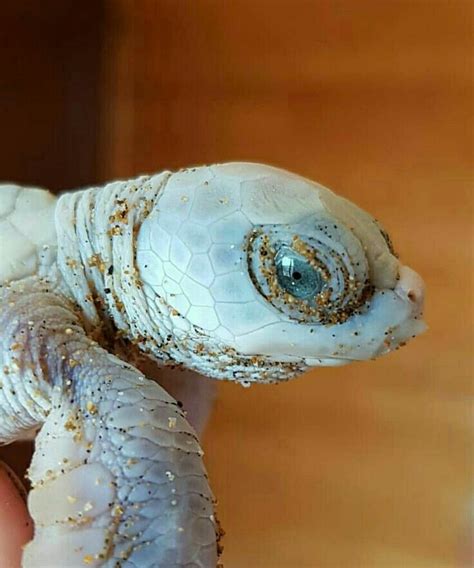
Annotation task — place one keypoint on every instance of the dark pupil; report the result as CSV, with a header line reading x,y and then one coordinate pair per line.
x,y
295,275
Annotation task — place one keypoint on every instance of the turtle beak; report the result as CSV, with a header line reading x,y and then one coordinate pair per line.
x,y
411,289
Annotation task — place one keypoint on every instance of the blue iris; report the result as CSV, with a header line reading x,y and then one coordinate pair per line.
x,y
296,275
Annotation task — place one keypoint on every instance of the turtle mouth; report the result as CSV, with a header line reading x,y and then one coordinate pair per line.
x,y
399,337
330,361
403,333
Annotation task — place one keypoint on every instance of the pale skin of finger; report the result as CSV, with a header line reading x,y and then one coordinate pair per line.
x,y
16,528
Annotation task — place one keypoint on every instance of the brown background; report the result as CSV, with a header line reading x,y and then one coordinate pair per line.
x,y
363,466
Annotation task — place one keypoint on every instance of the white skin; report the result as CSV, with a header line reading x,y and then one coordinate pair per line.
x,y
236,271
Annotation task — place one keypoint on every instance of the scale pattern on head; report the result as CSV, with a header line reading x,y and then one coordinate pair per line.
x,y
266,273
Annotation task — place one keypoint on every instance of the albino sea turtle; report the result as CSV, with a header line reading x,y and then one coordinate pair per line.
x,y
237,271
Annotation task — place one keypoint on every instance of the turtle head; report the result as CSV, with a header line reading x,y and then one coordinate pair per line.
x,y
271,274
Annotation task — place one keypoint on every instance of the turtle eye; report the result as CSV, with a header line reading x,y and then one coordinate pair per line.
x,y
313,272
296,276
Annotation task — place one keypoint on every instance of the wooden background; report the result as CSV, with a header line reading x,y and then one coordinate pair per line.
x,y
364,466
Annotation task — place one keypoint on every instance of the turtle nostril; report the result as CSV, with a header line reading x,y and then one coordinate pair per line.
x,y
411,294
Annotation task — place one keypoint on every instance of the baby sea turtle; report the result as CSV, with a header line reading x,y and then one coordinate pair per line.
x,y
237,271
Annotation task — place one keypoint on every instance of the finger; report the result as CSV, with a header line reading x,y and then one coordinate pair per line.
x,y
16,528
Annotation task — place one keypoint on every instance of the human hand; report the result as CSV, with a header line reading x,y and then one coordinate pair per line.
x,y
16,528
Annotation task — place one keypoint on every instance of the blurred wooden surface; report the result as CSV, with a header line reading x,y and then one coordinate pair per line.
x,y
364,466
49,91
368,465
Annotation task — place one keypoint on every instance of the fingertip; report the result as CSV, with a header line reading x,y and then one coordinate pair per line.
x,y
16,527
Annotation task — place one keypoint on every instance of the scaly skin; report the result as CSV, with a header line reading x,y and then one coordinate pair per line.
x,y
117,474
184,268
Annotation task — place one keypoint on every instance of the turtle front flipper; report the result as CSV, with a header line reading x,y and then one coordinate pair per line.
x,y
117,474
